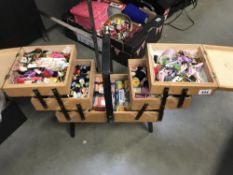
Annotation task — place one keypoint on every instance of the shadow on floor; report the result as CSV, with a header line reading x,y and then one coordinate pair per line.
x,y
225,165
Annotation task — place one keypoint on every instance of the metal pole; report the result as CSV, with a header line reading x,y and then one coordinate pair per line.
x,y
106,78
94,35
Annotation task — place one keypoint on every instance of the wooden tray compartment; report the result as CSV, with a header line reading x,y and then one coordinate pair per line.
x,y
70,103
204,88
100,116
153,102
90,117
20,90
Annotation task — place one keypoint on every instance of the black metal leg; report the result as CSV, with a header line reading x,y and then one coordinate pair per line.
x,y
150,127
163,103
94,35
182,98
60,102
40,98
108,97
142,110
72,129
112,55
80,111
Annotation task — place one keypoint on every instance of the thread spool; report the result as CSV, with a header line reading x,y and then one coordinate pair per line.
x,y
141,74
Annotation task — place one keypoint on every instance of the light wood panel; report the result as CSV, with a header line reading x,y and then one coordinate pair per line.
x,y
100,117
91,117
7,58
221,60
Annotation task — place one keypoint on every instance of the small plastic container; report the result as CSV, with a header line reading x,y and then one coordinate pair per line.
x,y
81,14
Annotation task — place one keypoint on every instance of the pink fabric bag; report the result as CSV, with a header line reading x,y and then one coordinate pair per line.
x,y
81,15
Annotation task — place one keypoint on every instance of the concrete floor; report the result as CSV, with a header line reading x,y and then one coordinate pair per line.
x,y
195,141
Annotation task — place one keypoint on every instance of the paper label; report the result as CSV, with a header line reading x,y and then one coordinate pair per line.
x,y
121,96
205,92
158,19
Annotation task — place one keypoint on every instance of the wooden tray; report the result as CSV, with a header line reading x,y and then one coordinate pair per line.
x,y
153,102
8,58
205,88
70,103
100,116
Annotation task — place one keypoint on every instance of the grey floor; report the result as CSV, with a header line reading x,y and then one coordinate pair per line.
x,y
197,141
